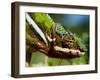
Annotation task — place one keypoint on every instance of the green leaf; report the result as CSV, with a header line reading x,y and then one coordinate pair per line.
x,y
39,17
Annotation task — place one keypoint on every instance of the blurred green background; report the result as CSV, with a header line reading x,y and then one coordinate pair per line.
x,y
77,24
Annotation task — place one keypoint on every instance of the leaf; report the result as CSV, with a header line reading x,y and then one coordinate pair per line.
x,y
39,17
44,19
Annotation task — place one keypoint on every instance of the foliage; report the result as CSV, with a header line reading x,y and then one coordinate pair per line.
x,y
43,19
